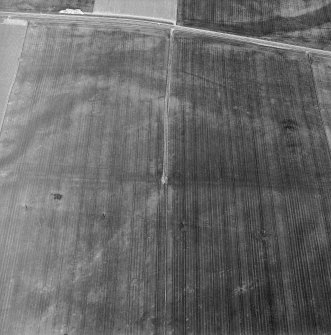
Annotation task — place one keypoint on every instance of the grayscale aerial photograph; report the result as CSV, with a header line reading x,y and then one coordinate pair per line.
x,y
165,167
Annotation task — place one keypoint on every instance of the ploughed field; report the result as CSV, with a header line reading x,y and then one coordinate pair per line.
x,y
304,22
81,161
45,6
249,189
161,182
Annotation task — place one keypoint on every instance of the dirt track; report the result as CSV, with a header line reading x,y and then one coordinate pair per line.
x,y
299,22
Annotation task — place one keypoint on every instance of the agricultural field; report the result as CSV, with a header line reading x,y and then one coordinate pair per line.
x,y
81,206
45,6
249,189
322,73
162,183
161,9
161,180
12,39
304,22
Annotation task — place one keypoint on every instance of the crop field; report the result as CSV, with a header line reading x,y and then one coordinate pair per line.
x,y
159,181
81,216
164,9
249,191
11,43
322,73
45,5
304,22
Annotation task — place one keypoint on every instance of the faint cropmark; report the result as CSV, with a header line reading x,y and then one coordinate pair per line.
x,y
263,236
246,287
56,196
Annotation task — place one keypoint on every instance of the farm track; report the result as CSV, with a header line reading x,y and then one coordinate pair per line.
x,y
301,22
298,22
151,24
164,179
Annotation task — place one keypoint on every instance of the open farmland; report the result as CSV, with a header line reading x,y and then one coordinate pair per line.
x,y
322,74
164,9
305,22
81,211
249,191
11,38
45,5
157,179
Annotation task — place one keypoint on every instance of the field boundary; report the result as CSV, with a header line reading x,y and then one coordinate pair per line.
x,y
252,40
87,18
96,19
